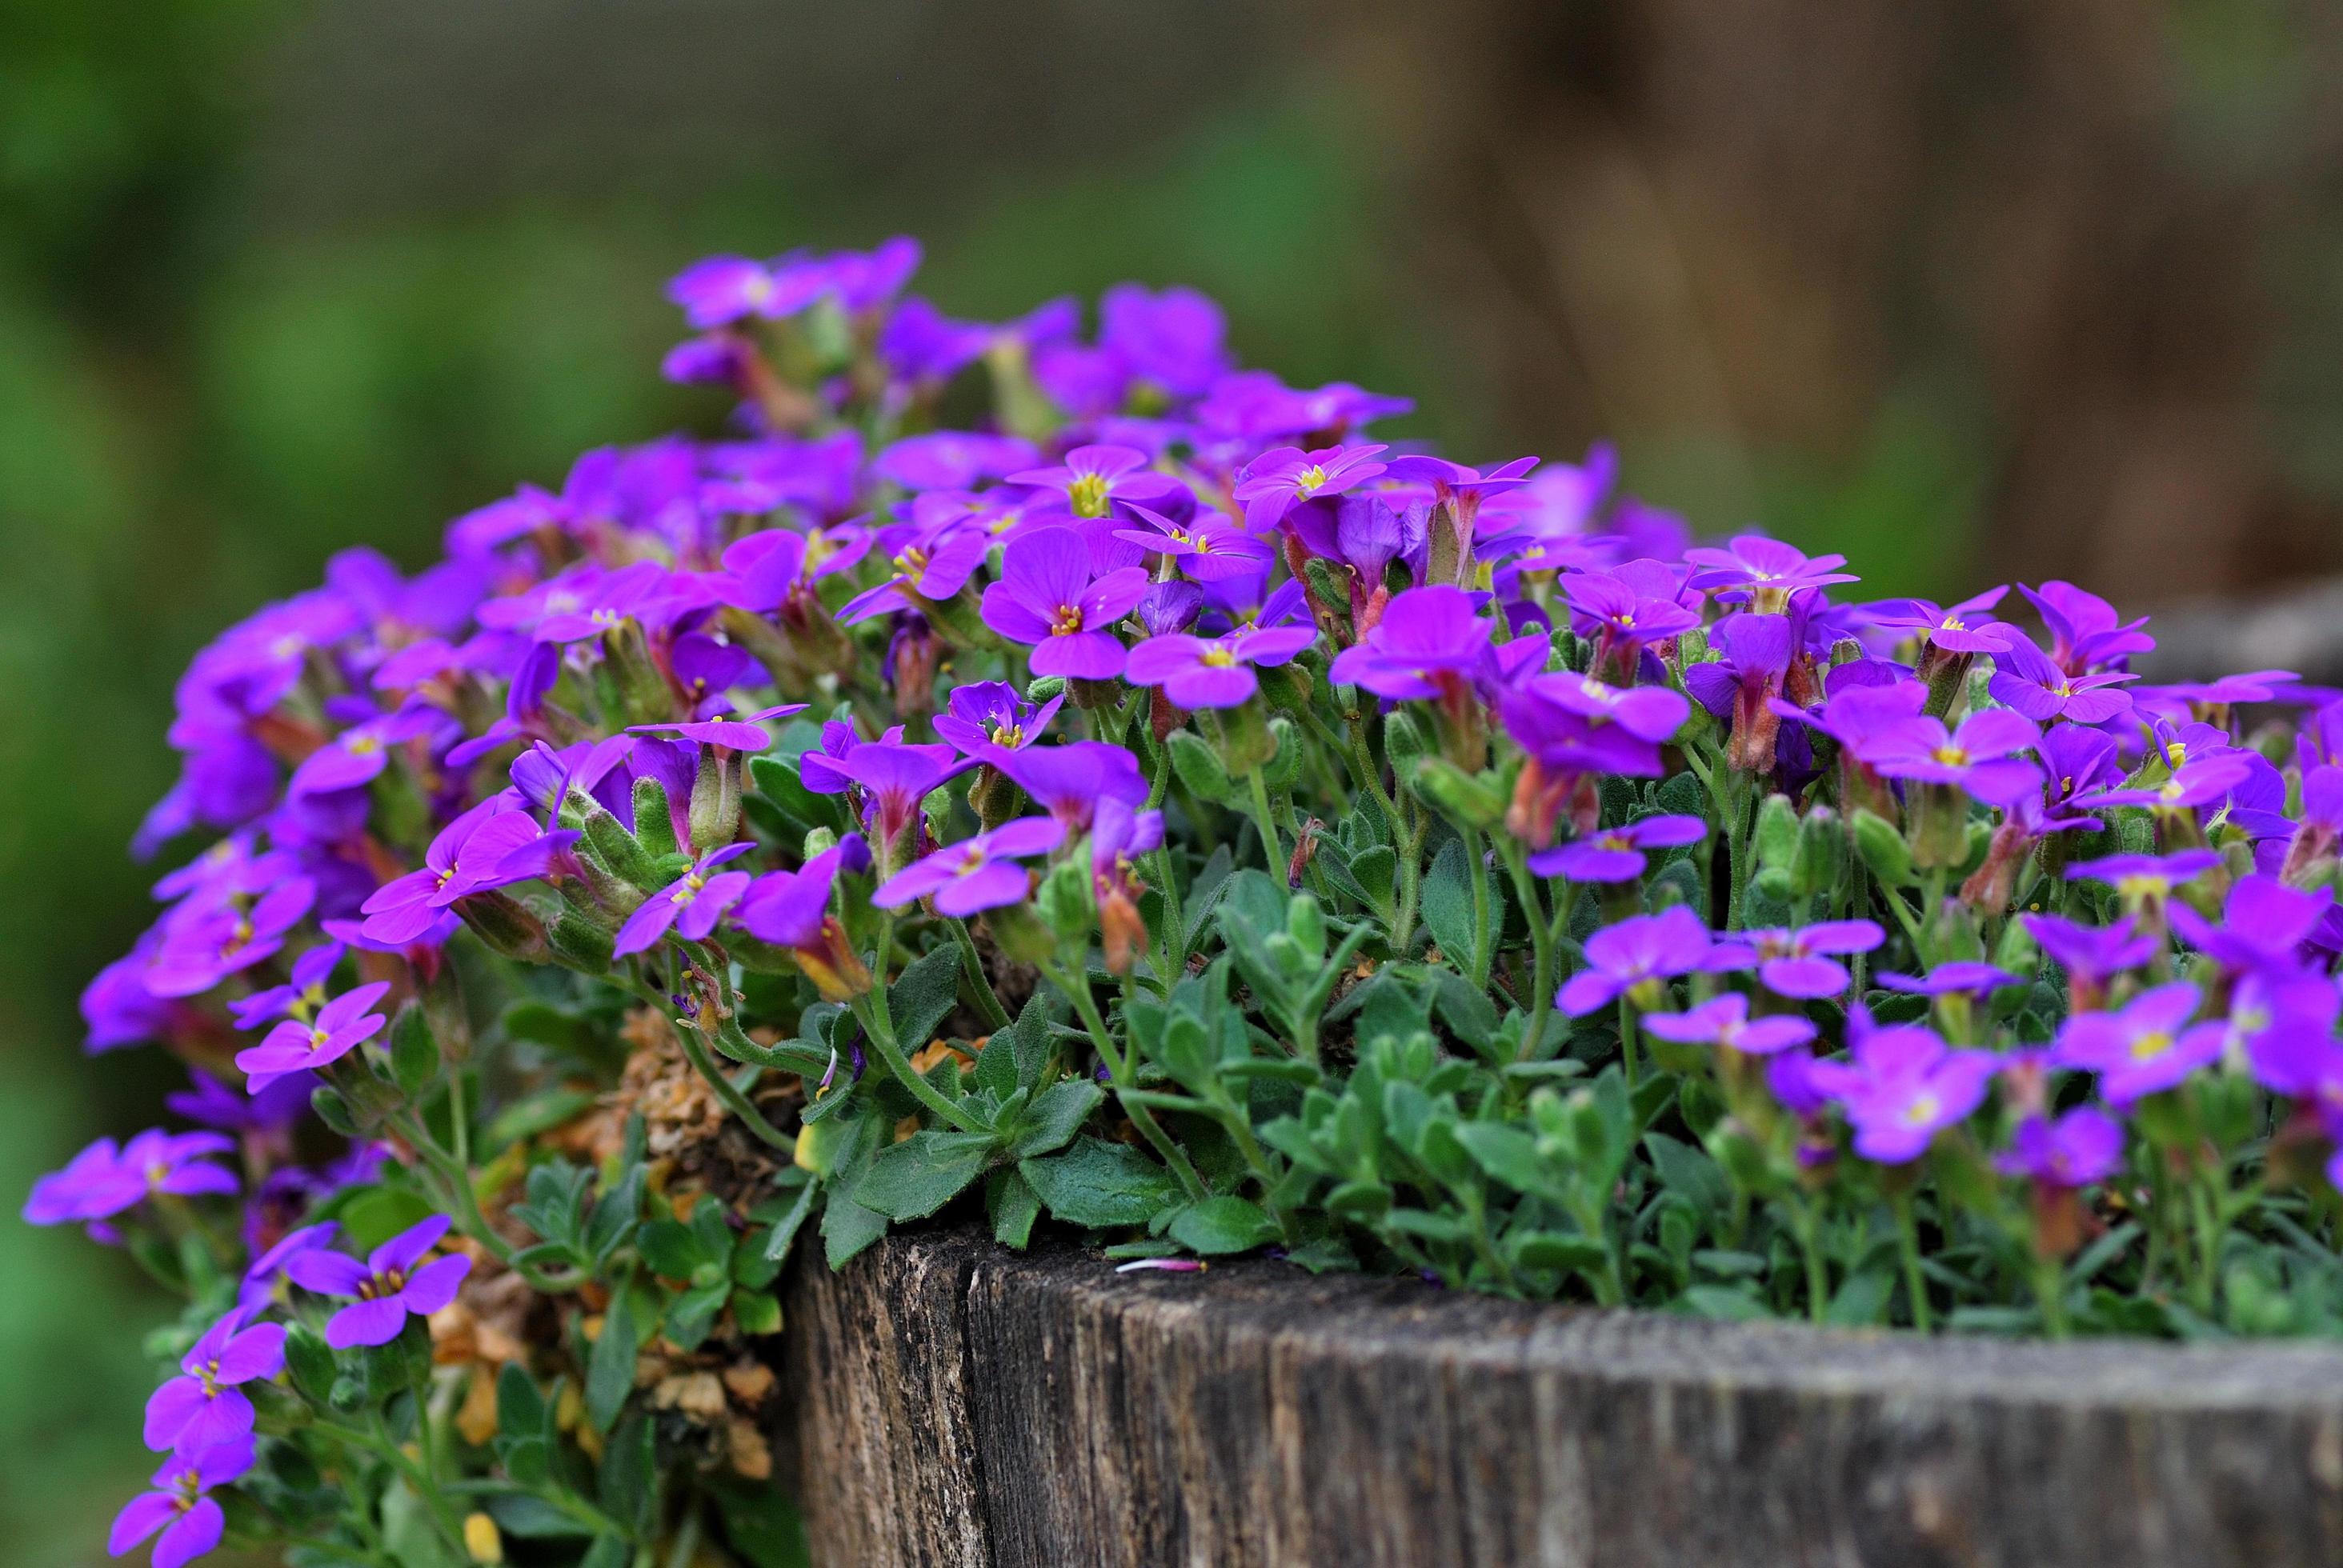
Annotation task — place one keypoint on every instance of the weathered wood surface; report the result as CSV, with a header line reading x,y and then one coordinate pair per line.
x,y
960,1404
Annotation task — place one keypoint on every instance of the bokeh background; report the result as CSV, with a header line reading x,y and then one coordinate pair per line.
x,y
1971,290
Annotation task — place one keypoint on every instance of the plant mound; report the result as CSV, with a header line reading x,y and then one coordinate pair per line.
x,y
1073,778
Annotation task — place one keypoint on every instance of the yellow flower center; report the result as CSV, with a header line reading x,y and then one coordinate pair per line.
x,y
1217,656
1951,755
1088,497
1922,1111
2150,1046
1306,482
1069,621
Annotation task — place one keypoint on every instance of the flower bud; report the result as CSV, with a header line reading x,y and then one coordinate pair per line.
x,y
715,801
1284,764
654,818
1245,742
618,869
1777,833
1820,860
506,926
1064,900
1882,849
1463,798
1198,767
1938,831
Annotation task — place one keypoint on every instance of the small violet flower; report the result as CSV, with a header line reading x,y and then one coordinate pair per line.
x,y
204,1406
388,1286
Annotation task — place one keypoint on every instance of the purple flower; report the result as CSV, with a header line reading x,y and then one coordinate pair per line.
x,y
1963,628
103,1181
1979,756
2086,632
977,873
1606,606
2081,1147
2198,781
1429,641
1616,854
1651,713
2262,926
302,996
2284,1028
1767,571
191,1522
1903,1086
1725,1022
1069,781
207,941
691,904
2148,1046
1793,962
388,1286
203,1406
895,779
724,289
952,460
792,909
1093,478
260,1281
489,846
1216,672
1046,599
361,752
991,713
1207,547
928,567
2146,880
1959,978
214,1104
1270,484
1169,341
1740,686
2092,956
728,732
1634,956
2025,679
341,1026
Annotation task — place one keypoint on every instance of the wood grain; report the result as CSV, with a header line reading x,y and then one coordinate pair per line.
x,y
959,1404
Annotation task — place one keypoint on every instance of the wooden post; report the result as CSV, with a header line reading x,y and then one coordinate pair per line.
x,y
959,1404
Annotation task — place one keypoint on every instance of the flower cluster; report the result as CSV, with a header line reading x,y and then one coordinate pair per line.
x,y
1173,807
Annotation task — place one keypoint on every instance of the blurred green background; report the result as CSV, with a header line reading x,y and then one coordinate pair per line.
x,y
1962,289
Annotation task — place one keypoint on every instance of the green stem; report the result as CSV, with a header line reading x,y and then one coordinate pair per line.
x,y
1121,1070
737,1102
1907,1240
1264,822
1627,1032
973,962
1809,1228
1540,1002
2050,1290
1477,861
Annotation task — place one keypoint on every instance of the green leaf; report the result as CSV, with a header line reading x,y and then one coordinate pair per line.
x,y
311,1361
914,1179
1014,1056
1222,1225
924,997
1056,1114
1099,1185
378,1214
520,1407
1861,1297
533,1518
757,1312
693,1313
669,1248
1561,1251
1689,1174
611,1367
847,1228
1511,1156
1726,1303
1012,1206
1447,903
414,1053
785,1229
